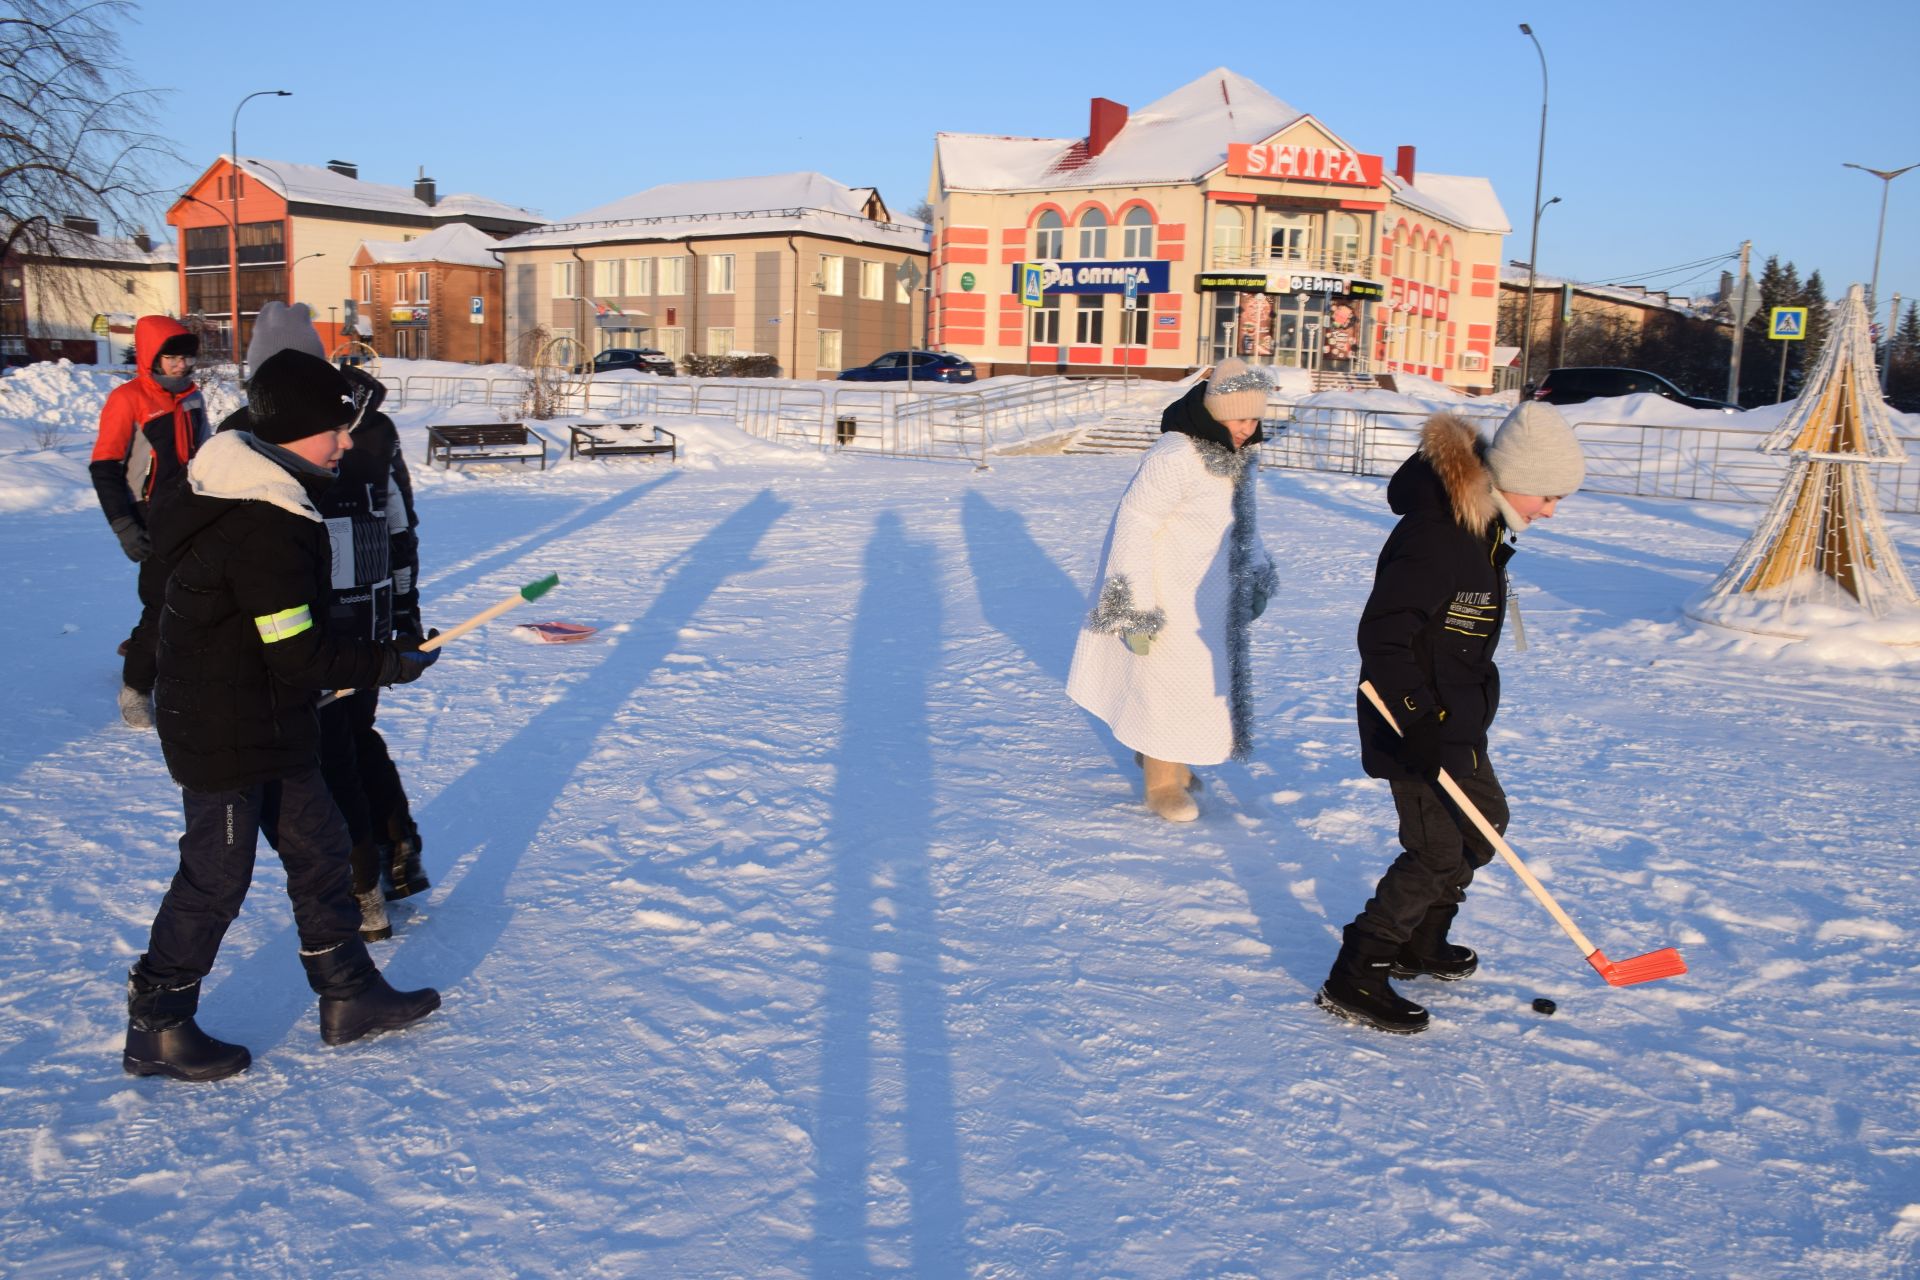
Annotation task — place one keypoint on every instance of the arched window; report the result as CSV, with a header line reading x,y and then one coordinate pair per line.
x,y
1093,234
1229,236
1049,236
1137,238
1343,241
1445,278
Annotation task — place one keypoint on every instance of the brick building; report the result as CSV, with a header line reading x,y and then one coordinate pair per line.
x,y
439,297
299,229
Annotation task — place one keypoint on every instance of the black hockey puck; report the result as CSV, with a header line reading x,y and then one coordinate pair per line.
x,y
1544,1005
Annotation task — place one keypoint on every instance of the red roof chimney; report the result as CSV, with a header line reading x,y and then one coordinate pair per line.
x,y
1403,165
1106,119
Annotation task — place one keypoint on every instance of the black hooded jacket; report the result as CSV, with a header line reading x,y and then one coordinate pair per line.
x,y
369,511
244,641
1188,415
1433,620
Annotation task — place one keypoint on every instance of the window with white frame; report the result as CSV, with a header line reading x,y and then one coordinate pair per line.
x,y
673,274
720,273
833,275
1046,321
606,278
873,280
673,343
1093,234
1135,325
1343,241
719,341
639,277
829,350
1049,236
1136,238
366,286
1229,236
420,286
399,286
563,280
1089,319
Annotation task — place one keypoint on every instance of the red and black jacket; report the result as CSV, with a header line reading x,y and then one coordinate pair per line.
x,y
147,433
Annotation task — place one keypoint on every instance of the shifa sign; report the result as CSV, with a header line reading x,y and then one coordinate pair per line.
x,y
1303,164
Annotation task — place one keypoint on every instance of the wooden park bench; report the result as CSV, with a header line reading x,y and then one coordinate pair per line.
x,y
596,439
485,442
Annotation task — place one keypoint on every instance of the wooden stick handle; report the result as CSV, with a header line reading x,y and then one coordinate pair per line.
x,y
532,591
1493,837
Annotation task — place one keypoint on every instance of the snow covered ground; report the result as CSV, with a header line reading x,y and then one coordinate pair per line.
x,y
797,925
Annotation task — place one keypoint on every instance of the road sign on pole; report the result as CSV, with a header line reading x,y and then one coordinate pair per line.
x,y
908,274
1132,295
1787,324
1032,284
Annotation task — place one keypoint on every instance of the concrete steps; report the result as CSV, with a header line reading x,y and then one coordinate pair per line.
x,y
1122,435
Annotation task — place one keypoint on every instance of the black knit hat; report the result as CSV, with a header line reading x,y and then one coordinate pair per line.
x,y
180,344
293,395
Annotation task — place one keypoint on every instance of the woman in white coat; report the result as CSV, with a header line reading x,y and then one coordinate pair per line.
x,y
1162,656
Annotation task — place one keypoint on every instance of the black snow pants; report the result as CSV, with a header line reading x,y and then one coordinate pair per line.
x,y
363,778
1440,851
216,867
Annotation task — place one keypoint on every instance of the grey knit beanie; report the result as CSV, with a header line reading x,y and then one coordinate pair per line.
x,y
1235,391
1535,453
283,328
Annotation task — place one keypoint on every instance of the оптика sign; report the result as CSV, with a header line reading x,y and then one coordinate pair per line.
x,y
1099,277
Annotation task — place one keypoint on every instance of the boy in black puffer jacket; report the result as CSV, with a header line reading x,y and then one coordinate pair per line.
x,y
1427,637
244,649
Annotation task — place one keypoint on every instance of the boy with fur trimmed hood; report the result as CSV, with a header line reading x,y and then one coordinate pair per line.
x,y
1427,638
244,649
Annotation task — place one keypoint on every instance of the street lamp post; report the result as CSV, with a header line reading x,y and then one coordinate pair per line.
x,y
1533,251
1886,177
233,250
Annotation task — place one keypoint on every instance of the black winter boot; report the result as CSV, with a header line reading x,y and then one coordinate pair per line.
x,y
1358,989
400,860
1428,954
164,1040
355,1000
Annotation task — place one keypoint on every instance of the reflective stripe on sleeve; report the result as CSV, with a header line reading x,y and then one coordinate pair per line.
x,y
283,625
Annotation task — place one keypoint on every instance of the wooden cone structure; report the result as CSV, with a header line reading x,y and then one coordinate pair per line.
x,y
1823,541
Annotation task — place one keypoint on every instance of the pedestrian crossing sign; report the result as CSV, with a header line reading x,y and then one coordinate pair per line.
x,y
1032,284
1787,324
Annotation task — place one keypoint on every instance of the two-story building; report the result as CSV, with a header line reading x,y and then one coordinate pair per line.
x,y
298,228
1216,221
796,266
69,292
439,297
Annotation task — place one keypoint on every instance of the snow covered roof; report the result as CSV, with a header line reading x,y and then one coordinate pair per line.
x,y
806,202
1179,138
1468,203
1629,294
86,246
456,243
316,184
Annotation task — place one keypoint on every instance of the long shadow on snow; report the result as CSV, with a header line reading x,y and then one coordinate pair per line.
x,y
883,902
1029,599
444,584
501,803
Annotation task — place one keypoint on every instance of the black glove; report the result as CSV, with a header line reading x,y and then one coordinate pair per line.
x,y
133,538
406,617
1420,744
405,661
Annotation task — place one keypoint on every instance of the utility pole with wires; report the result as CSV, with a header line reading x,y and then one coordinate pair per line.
x,y
1741,292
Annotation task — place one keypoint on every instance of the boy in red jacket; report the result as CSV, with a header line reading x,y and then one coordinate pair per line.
x,y
150,428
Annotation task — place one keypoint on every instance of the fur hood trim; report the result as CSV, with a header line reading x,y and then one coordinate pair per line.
x,y
229,466
1452,448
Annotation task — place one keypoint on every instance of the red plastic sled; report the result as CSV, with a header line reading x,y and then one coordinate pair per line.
x,y
558,632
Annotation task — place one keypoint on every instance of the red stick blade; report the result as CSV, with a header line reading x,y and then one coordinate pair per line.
x,y
1664,963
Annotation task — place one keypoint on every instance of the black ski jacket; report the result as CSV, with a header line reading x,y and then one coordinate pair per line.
x,y
1429,629
244,641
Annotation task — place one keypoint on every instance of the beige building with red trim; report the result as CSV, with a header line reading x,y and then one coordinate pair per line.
x,y
1216,221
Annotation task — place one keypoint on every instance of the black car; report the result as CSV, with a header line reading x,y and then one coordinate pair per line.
x,y
1573,386
925,366
643,359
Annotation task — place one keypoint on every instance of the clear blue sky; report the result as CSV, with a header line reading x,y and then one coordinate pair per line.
x,y
1676,129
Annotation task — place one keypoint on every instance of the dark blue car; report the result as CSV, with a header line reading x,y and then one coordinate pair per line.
x,y
927,366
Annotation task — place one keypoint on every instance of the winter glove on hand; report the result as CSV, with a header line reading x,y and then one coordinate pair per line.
x,y
1138,641
1259,601
1420,744
133,538
405,661
406,618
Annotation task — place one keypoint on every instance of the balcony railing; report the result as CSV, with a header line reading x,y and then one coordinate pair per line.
x,y
1227,258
